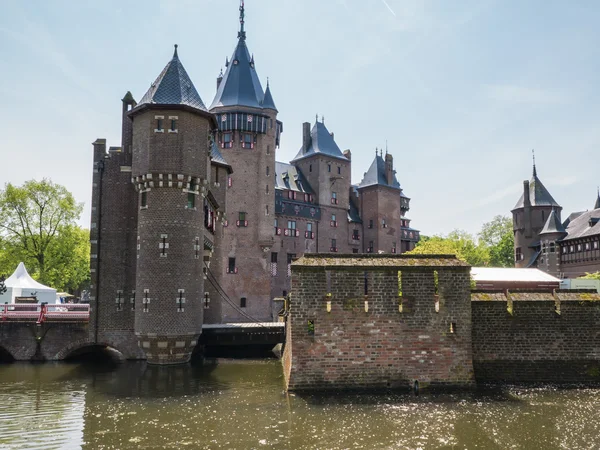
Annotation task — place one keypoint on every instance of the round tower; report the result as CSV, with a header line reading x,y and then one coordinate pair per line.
x,y
171,170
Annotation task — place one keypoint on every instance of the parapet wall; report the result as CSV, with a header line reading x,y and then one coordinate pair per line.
x,y
348,327
536,337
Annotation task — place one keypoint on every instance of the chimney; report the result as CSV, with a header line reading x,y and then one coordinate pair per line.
x,y
348,154
306,139
527,210
126,123
526,197
389,169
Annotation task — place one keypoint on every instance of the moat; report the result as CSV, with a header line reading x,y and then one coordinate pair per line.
x,y
241,404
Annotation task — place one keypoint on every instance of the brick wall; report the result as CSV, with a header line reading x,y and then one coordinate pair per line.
x,y
382,347
534,343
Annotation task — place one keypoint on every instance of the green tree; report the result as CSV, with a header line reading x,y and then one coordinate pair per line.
x,y
37,226
458,243
498,236
591,276
2,284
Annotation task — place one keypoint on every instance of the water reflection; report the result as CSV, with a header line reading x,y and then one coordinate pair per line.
x,y
241,404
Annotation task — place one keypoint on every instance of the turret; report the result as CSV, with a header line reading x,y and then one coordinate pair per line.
x,y
550,236
171,150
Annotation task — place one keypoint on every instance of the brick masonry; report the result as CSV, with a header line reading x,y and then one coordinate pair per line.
x,y
354,346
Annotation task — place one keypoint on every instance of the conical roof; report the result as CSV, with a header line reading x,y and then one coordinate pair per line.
x,y
376,175
553,224
173,87
217,157
538,194
321,142
268,100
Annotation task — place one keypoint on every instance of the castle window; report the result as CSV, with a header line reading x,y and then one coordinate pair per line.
x,y
243,302
180,300
292,195
231,266
328,167
587,245
333,221
227,141
543,216
544,248
552,247
310,167
393,247
339,170
146,300
354,250
355,235
370,247
371,223
268,149
309,231
159,124
383,224
163,245
579,248
267,170
173,120
333,245
518,254
267,189
334,199
242,220
120,300
248,141
191,200
571,249
273,264
271,123
144,199
266,210
595,245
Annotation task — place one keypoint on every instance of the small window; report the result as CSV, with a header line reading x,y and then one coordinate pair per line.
x,y
310,167
242,216
334,198
518,254
370,247
291,224
274,257
354,250
243,302
276,223
191,201
383,224
328,167
339,170
334,244
173,124
595,245
333,217
248,141
231,265
285,293
159,124
227,140
309,227
144,199
355,235
371,223
267,189
266,210
267,170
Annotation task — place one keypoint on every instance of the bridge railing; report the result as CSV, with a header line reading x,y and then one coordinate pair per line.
x,y
69,312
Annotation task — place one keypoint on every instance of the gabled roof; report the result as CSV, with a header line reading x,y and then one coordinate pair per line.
x,y
240,85
586,224
376,175
321,143
538,194
173,87
268,100
288,177
553,224
217,158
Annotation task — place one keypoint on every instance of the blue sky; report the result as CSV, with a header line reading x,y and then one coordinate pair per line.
x,y
462,91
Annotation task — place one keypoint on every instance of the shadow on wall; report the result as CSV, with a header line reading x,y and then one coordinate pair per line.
x,y
5,356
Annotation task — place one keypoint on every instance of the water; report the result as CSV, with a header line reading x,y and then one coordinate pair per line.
x,y
241,405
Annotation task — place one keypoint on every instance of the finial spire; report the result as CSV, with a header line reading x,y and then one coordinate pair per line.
x,y
323,119
317,117
175,52
534,169
242,33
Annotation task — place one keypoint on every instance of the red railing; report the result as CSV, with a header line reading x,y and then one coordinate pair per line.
x,y
70,312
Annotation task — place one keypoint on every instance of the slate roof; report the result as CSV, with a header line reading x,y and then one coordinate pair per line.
x,y
240,85
322,143
217,157
553,224
173,87
268,100
580,226
376,175
539,195
572,217
353,215
289,177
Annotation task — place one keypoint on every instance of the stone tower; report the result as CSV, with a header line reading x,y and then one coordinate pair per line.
x,y
550,236
170,171
530,214
248,134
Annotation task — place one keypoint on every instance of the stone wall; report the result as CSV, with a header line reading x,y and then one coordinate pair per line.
x,y
346,329
545,339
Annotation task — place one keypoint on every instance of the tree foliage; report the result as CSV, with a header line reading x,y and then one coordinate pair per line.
x,y
591,276
493,248
37,226
2,284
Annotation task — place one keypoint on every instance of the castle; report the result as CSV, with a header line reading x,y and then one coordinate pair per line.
x,y
194,221
565,249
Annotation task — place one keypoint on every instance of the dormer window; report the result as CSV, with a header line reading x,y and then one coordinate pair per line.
x,y
227,141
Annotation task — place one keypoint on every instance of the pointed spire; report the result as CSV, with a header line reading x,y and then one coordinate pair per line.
x,y
268,100
553,224
227,61
175,52
242,33
597,205
534,169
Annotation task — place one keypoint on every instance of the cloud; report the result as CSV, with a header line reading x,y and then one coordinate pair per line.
x,y
511,93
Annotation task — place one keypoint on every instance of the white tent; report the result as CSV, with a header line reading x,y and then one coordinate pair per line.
x,y
20,284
